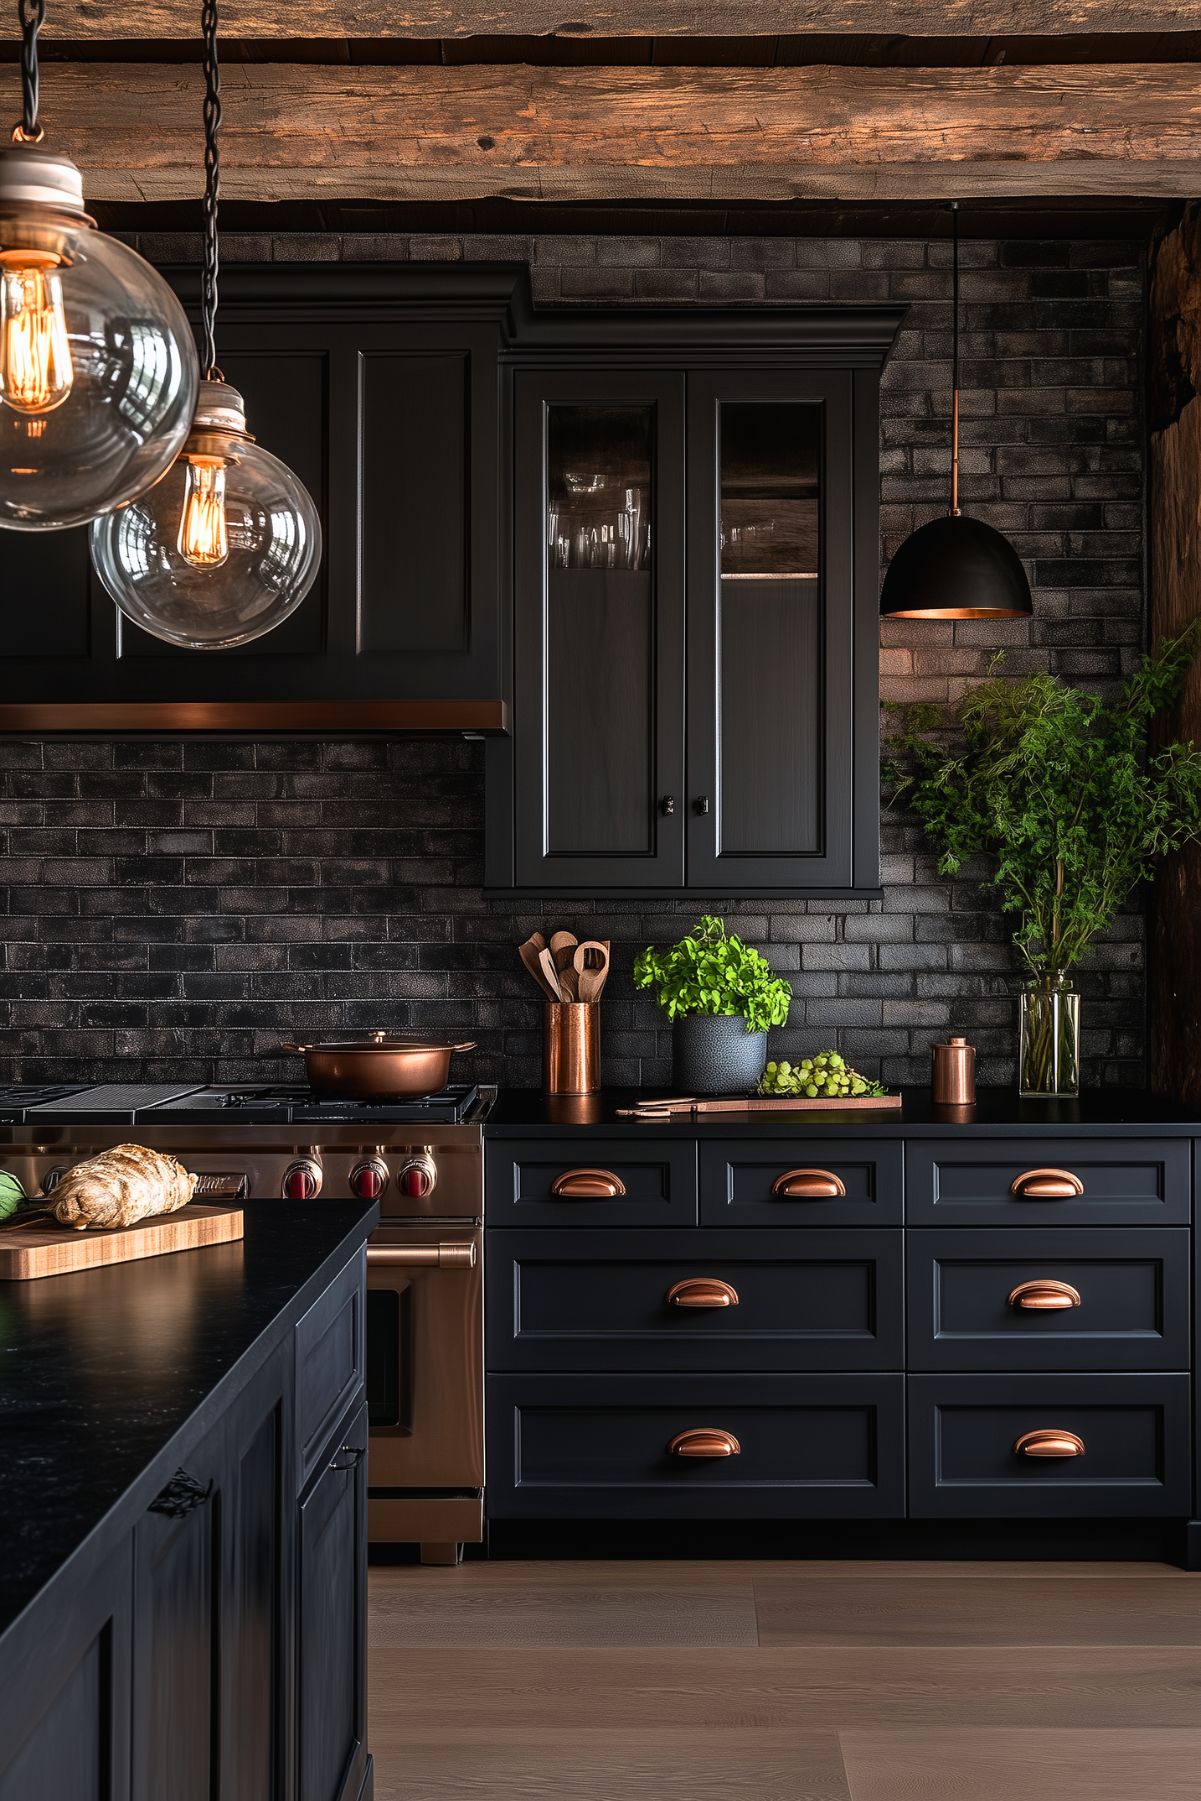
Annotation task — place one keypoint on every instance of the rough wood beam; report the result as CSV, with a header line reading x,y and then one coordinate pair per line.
x,y
305,131
116,20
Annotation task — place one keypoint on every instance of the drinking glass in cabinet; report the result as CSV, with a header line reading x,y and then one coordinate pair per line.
x,y
598,487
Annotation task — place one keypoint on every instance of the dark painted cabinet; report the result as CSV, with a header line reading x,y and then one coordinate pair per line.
x,y
695,606
751,1324
381,389
220,1653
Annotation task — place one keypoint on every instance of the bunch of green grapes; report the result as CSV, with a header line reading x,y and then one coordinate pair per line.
x,y
824,1077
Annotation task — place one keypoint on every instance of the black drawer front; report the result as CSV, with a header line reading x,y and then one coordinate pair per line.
x,y
597,1447
531,1184
330,1349
964,1431
596,1301
1132,1311
744,1183
977,1182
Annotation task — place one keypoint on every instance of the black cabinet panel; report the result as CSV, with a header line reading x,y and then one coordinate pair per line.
x,y
45,583
589,1447
330,1358
745,1183
974,1182
562,1301
331,1694
655,1182
1082,1299
964,1434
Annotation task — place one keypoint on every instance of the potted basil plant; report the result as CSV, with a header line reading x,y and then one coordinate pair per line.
x,y
721,997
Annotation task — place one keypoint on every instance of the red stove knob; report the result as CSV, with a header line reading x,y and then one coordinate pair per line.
x,y
369,1179
302,1181
417,1178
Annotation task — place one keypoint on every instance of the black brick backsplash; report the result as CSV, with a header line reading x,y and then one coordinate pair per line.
x,y
175,909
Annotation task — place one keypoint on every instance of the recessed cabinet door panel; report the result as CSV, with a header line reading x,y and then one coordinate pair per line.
x,y
599,623
770,613
287,396
331,1700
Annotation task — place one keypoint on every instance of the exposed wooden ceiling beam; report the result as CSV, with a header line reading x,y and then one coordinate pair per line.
x,y
307,131
116,20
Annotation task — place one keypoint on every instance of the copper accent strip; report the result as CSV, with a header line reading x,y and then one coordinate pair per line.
x,y
808,1185
1048,1441
1046,1185
587,1185
704,1441
489,716
415,1256
1046,1295
702,1291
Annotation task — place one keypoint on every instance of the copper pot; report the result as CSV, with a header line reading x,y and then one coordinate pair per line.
x,y
383,1066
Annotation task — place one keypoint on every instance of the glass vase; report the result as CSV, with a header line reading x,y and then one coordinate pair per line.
x,y
1049,1040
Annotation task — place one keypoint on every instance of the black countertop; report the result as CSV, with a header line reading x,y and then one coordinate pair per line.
x,y
101,1369
1100,1112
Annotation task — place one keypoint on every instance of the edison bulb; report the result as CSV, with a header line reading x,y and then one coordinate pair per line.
x,y
224,548
203,527
98,367
36,372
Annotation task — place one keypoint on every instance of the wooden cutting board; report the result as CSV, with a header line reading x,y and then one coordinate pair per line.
x,y
43,1248
762,1103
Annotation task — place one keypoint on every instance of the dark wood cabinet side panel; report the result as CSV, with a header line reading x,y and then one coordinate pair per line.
x,y
415,503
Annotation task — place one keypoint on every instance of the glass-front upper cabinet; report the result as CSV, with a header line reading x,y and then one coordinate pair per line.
x,y
770,750
599,635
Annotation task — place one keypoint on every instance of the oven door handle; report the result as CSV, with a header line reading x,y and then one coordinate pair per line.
x,y
423,1256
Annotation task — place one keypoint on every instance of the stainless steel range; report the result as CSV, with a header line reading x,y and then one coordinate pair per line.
x,y
422,1160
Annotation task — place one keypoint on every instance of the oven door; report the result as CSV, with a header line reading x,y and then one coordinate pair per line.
x,y
425,1375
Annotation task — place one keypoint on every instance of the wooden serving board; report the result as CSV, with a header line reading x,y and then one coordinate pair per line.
x,y
762,1103
42,1248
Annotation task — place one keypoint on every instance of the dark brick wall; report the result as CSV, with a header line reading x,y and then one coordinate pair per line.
x,y
174,909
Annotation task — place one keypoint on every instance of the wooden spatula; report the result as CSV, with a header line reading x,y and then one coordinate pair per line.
x,y
553,984
530,955
562,949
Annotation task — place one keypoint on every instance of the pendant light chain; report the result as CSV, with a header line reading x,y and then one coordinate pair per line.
x,y
212,188
955,359
31,14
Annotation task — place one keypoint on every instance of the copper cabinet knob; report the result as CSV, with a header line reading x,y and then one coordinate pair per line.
x,y
808,1185
702,1291
1048,1441
704,1441
1047,1295
587,1185
1046,1185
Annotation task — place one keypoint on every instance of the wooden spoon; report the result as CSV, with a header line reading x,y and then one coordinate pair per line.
x,y
562,949
554,986
591,963
530,955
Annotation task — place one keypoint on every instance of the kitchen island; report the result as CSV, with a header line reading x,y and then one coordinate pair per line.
x,y
183,1490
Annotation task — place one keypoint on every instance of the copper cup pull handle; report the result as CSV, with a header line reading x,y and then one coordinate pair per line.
x,y
808,1185
1046,1185
704,1441
1045,1296
1048,1442
587,1185
702,1291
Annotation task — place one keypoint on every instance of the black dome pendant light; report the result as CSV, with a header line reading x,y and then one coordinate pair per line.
x,y
956,568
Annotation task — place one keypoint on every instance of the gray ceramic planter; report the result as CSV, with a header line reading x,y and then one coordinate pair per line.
x,y
716,1055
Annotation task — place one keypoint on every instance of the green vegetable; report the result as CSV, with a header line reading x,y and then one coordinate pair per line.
x,y
12,1196
1058,791
824,1077
711,973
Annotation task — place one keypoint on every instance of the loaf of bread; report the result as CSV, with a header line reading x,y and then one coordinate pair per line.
x,y
120,1187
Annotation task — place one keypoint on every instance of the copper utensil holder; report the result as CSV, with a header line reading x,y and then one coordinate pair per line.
x,y
571,1047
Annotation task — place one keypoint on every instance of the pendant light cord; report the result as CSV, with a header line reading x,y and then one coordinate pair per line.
x,y
212,189
32,14
955,359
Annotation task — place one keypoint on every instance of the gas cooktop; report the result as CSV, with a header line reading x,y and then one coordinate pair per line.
x,y
128,1103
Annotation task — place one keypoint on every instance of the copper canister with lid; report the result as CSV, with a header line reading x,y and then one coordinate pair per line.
x,y
953,1073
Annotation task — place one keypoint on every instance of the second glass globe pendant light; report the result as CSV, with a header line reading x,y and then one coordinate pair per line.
x,y
98,372
228,544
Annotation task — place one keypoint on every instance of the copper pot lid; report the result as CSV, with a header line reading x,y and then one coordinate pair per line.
x,y
391,1043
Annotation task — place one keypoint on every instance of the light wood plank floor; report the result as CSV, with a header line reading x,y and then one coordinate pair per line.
x,y
701,1681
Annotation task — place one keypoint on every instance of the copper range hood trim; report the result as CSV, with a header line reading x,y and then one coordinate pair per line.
x,y
484,718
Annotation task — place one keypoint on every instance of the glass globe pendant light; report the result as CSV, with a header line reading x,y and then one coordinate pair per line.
x,y
956,567
98,371
228,543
